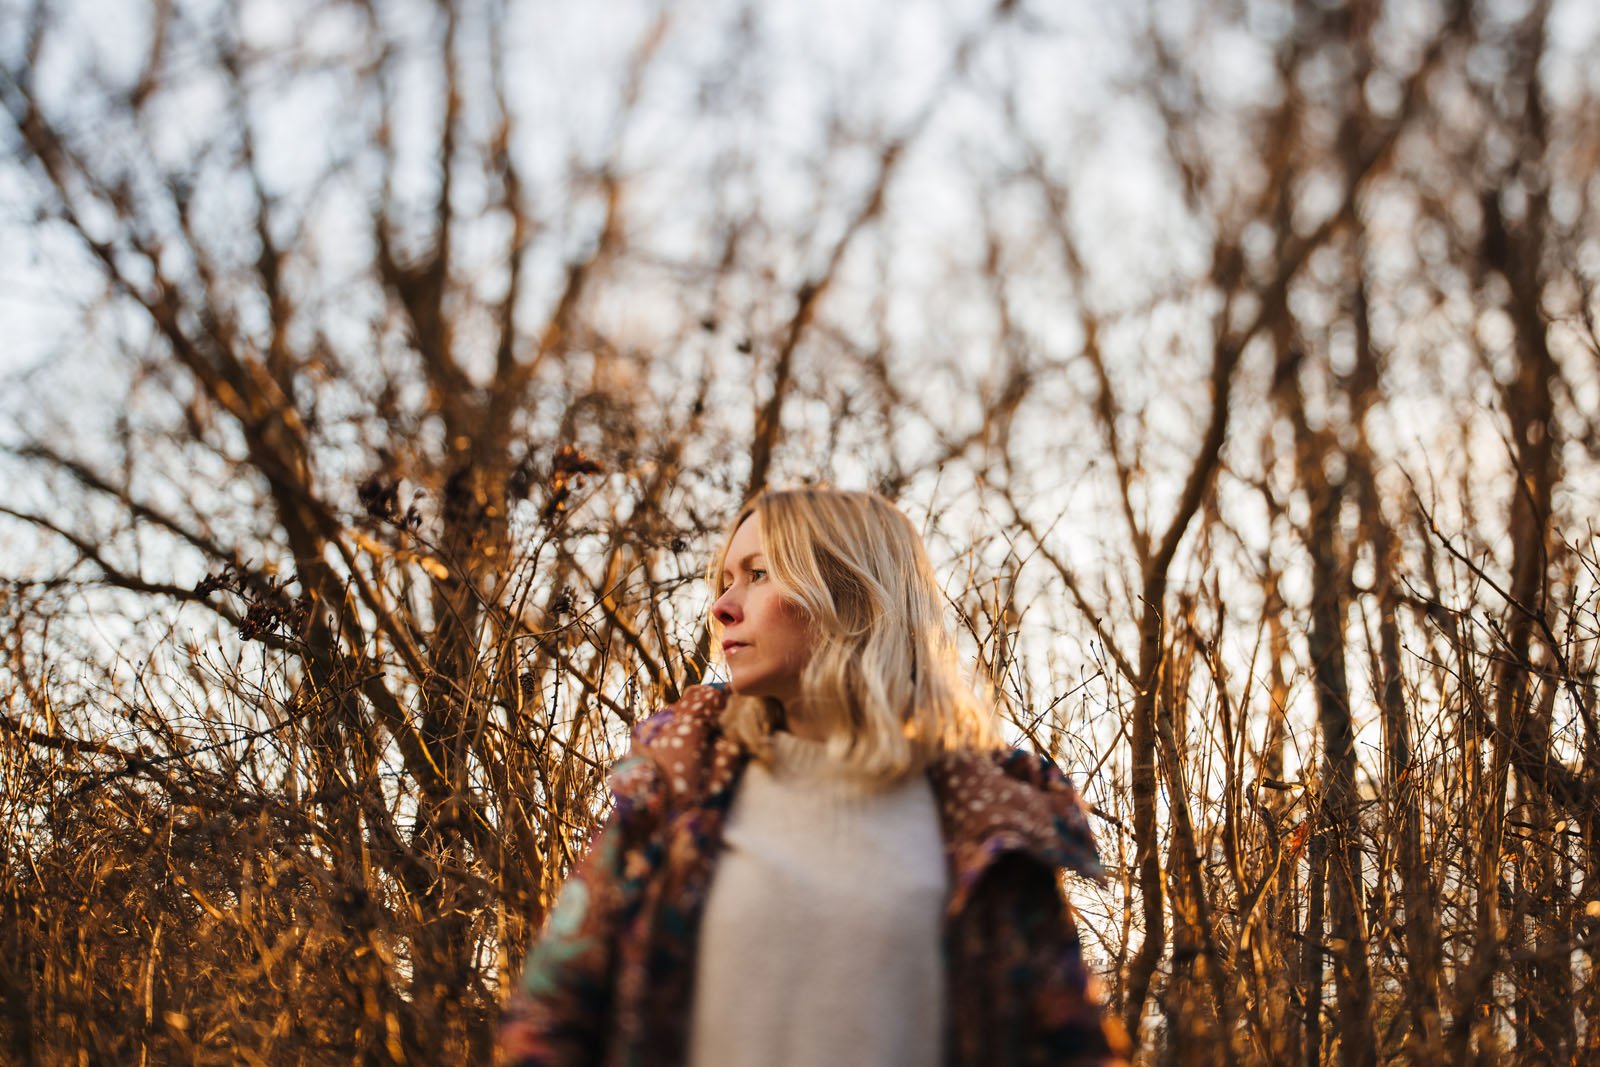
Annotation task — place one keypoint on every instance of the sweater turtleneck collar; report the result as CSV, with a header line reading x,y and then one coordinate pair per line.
x,y
798,759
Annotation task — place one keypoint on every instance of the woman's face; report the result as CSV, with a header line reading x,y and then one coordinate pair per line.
x,y
765,636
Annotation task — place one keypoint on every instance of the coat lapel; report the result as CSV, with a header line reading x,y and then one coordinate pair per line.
x,y
991,804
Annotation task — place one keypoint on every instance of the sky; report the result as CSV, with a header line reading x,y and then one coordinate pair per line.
x,y
1067,69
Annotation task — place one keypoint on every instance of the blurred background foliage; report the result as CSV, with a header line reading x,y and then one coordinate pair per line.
x,y
379,374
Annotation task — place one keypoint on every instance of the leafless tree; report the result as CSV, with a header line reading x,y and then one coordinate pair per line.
x,y
1240,362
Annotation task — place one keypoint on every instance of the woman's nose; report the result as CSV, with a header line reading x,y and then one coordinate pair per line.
x,y
726,609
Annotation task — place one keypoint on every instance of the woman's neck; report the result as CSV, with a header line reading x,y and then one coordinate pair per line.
x,y
793,718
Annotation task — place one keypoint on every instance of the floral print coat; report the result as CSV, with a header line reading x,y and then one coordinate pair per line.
x,y
611,981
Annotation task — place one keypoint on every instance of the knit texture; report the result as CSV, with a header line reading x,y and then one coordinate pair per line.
x,y
820,943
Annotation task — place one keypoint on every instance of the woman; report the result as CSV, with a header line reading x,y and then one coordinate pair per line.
x,y
834,863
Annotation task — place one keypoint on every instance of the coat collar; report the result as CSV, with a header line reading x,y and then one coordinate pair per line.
x,y
1009,801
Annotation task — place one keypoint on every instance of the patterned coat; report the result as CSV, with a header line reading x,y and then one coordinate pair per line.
x,y
611,981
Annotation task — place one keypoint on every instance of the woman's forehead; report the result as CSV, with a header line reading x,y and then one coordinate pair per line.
x,y
747,540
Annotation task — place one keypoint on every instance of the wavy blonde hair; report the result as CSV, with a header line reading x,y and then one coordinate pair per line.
x,y
883,681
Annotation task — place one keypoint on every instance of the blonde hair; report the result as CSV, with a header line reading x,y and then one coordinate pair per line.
x,y
883,681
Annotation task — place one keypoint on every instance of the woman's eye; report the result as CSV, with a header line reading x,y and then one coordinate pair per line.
x,y
756,574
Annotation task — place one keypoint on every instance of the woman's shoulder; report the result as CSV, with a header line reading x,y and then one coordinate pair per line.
x,y
680,755
1019,797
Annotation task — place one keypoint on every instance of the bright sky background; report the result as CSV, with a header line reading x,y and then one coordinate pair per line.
x,y
879,61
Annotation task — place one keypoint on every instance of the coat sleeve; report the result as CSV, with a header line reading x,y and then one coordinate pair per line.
x,y
1067,1007
1024,995
557,1016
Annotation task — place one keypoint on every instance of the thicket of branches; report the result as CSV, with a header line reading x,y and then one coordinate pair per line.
x,y
389,369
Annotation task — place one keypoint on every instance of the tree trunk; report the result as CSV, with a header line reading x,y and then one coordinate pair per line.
x,y
1339,821
1402,780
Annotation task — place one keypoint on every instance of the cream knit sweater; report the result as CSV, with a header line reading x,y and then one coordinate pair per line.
x,y
820,942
